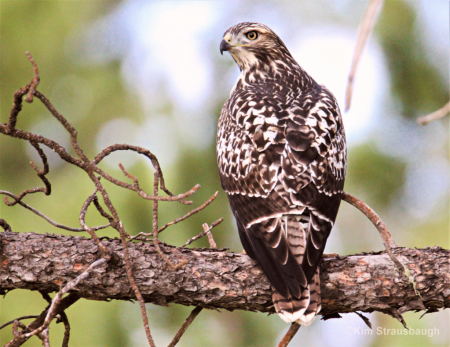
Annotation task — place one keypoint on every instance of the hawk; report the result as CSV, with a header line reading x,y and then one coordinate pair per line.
x,y
282,158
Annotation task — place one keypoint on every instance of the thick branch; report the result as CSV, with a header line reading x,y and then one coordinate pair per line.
x,y
217,279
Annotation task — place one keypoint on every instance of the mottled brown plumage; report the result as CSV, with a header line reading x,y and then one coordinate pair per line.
x,y
281,152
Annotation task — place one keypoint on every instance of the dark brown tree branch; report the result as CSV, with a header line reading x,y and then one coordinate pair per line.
x,y
223,280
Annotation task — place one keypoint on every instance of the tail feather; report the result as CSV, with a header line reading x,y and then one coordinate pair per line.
x,y
315,302
302,310
291,309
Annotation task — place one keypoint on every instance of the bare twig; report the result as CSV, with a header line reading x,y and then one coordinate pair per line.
x,y
195,210
187,215
65,320
20,338
424,120
289,335
365,29
388,241
203,233
45,338
16,326
4,224
18,319
35,81
155,223
374,218
56,300
61,317
83,223
136,290
126,173
102,211
52,222
41,173
186,324
207,230
155,163
23,194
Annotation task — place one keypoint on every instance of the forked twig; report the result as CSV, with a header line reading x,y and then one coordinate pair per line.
x,y
424,120
194,313
365,29
289,335
56,300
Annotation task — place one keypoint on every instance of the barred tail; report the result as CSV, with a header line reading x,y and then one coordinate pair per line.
x,y
302,310
315,302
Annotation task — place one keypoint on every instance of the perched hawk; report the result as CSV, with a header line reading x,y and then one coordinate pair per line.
x,y
281,152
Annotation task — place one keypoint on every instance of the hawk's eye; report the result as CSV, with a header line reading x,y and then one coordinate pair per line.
x,y
252,35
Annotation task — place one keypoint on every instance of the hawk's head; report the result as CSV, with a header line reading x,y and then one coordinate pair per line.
x,y
253,43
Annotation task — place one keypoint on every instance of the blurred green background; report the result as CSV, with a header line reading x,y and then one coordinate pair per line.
x,y
150,74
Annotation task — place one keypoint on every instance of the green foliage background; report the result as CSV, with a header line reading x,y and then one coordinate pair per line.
x,y
47,28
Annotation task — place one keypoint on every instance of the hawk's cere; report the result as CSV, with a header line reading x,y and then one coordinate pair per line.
x,y
282,157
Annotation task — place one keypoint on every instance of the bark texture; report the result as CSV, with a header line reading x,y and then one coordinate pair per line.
x,y
220,279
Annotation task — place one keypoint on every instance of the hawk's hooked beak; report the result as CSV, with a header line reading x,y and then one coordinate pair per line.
x,y
224,46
